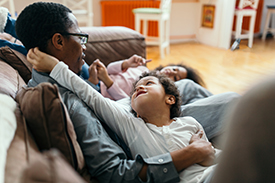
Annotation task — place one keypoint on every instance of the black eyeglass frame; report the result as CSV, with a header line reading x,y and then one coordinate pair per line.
x,y
82,35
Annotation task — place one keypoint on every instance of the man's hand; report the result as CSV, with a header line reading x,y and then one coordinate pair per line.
x,y
93,74
199,151
40,61
134,61
205,149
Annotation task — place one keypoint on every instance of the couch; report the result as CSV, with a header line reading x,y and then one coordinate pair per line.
x,y
23,158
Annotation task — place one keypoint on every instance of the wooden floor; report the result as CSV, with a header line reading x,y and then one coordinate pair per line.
x,y
222,70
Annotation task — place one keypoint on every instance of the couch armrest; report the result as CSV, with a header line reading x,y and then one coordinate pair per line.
x,y
113,43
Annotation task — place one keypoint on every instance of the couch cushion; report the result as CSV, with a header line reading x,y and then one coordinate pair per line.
x,y
10,80
113,43
7,129
17,158
54,168
49,122
18,61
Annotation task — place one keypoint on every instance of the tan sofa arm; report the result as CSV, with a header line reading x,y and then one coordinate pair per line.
x,y
113,43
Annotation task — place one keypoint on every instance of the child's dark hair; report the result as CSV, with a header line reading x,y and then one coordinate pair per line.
x,y
170,89
192,74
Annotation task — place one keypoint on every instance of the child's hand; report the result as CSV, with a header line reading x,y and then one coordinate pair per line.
x,y
134,61
40,61
196,136
102,74
93,74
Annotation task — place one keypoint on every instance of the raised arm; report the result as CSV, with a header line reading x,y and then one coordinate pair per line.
x,y
123,65
200,151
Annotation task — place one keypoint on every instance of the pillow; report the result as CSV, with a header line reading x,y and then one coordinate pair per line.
x,y
10,80
7,129
18,61
54,169
49,122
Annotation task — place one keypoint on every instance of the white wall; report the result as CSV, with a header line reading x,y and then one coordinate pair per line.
x,y
97,12
21,4
184,17
220,35
185,22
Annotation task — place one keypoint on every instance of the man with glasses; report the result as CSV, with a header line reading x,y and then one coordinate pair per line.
x,y
83,37
54,30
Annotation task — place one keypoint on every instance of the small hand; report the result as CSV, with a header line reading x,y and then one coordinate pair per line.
x,y
134,61
101,70
196,136
102,74
40,61
93,74
205,149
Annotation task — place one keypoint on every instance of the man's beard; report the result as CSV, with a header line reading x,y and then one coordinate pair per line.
x,y
79,73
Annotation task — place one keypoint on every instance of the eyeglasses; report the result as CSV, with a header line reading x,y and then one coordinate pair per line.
x,y
83,37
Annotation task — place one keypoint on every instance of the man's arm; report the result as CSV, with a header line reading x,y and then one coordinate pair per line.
x,y
199,151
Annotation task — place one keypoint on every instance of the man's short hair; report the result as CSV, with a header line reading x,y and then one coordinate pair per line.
x,y
170,89
38,22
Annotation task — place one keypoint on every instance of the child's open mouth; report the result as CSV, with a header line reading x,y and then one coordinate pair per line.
x,y
140,92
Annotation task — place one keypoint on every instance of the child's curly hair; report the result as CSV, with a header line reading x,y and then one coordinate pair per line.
x,y
170,89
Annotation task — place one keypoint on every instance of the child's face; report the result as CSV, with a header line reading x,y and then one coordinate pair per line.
x,y
175,73
148,93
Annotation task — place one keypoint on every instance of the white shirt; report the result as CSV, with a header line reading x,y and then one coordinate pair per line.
x,y
142,138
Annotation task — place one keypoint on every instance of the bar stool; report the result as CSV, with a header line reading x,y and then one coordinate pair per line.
x,y
270,10
162,15
246,8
